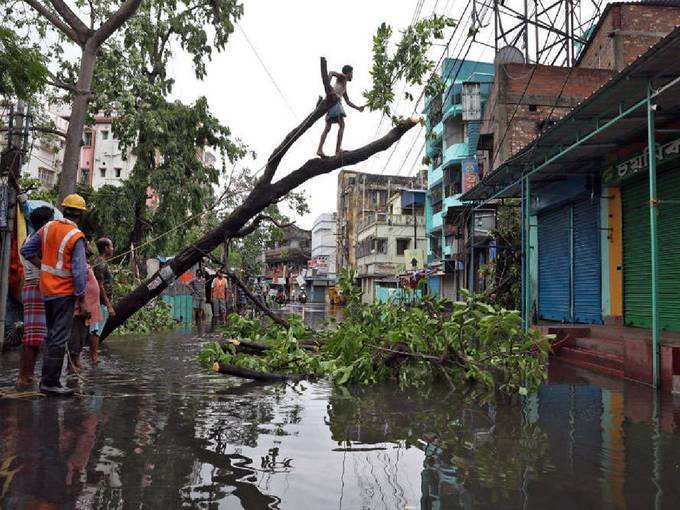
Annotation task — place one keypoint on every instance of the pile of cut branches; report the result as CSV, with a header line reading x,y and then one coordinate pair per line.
x,y
472,344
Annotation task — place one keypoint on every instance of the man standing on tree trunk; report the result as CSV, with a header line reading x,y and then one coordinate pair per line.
x,y
59,251
337,113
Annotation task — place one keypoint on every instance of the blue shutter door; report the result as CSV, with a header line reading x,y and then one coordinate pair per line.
x,y
587,263
553,265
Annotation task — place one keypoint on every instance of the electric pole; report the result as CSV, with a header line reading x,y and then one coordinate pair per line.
x,y
10,171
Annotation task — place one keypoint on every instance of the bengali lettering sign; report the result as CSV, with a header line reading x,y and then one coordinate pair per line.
x,y
627,169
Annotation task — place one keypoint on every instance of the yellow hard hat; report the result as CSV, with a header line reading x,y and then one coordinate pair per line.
x,y
74,201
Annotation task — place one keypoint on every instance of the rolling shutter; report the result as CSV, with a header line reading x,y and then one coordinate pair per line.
x,y
553,265
587,263
637,288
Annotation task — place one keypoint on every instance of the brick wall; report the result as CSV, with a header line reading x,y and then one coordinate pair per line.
x,y
543,92
626,32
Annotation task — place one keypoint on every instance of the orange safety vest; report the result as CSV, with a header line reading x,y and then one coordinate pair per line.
x,y
58,238
219,290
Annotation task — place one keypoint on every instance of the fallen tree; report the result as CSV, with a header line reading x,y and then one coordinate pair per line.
x,y
476,346
245,218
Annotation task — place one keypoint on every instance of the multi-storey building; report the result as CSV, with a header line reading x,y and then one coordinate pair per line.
x,y
322,267
45,146
101,159
287,258
453,121
387,243
359,195
599,228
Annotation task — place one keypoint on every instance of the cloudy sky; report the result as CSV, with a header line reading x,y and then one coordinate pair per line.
x,y
290,37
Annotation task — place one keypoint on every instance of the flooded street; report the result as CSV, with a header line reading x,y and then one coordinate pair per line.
x,y
156,430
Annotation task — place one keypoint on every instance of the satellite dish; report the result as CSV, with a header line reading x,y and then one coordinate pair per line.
x,y
509,55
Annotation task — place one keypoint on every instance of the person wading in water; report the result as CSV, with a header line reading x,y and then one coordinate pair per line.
x,y
59,251
35,328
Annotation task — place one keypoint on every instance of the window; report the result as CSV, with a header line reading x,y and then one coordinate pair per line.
x,y
84,174
46,176
403,245
380,245
436,198
117,172
105,135
102,172
87,138
436,247
379,199
453,132
437,160
452,181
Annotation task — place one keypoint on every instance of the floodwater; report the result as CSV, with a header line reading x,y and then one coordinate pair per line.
x,y
153,429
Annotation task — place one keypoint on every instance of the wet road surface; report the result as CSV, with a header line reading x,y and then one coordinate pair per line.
x,y
156,430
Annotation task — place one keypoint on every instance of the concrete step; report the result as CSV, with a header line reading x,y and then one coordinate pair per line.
x,y
611,372
592,357
607,345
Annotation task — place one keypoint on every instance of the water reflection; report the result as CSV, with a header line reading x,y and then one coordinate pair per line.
x,y
152,430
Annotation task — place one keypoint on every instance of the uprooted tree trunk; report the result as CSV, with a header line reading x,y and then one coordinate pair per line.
x,y
264,193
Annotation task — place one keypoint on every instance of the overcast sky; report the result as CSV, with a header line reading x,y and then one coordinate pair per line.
x,y
290,37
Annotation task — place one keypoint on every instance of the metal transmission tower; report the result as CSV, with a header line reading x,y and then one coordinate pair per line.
x,y
548,32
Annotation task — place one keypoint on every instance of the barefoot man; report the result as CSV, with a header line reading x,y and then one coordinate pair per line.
x,y
337,114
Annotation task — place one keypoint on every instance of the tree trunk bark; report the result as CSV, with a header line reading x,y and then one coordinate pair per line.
x,y
246,373
74,134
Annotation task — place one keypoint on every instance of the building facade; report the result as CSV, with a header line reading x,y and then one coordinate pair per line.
x,y
322,267
599,206
102,162
452,133
287,258
388,242
359,195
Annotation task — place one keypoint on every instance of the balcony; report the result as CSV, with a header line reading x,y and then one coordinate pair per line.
x,y
396,220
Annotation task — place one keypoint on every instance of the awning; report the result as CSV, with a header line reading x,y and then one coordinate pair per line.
x,y
612,117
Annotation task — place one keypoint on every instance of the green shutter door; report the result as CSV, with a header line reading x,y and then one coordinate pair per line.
x,y
637,288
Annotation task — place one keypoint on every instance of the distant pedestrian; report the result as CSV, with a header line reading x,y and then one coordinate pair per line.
x,y
197,290
59,251
35,327
102,273
219,298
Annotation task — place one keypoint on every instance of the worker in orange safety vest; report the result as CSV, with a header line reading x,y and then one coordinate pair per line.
x,y
59,251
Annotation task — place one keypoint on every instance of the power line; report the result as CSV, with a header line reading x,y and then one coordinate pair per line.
x,y
422,93
266,70
450,89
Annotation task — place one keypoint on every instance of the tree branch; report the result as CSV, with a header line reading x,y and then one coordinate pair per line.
x,y
278,320
321,108
320,166
56,21
71,18
56,82
256,223
49,131
125,12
